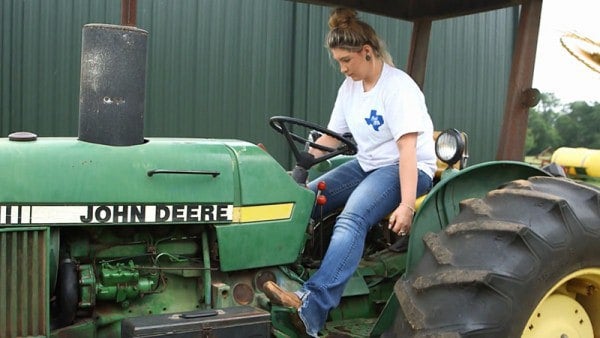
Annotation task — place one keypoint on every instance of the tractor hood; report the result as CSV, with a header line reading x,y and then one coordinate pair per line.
x,y
193,180
230,185
112,176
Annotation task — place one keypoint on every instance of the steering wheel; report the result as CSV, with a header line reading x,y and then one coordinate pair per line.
x,y
304,160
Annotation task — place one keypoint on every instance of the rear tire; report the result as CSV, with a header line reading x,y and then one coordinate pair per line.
x,y
506,261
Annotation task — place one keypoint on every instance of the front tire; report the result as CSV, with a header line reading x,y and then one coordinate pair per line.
x,y
523,261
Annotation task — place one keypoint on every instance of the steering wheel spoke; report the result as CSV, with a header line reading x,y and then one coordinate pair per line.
x,y
283,124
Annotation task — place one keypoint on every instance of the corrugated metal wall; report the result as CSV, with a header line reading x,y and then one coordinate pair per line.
x,y
222,68
467,77
40,45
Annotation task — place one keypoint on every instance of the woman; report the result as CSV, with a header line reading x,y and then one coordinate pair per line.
x,y
386,113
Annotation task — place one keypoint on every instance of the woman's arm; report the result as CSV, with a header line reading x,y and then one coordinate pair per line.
x,y
324,140
401,218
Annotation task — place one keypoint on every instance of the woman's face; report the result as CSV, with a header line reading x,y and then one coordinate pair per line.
x,y
352,64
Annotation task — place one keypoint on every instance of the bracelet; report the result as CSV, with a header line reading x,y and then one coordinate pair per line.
x,y
409,207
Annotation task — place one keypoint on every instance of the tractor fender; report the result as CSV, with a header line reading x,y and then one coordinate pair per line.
x,y
442,203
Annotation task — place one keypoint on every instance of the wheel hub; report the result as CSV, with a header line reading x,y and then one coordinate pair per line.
x,y
559,316
570,309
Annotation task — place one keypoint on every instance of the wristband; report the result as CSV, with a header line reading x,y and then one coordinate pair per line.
x,y
408,206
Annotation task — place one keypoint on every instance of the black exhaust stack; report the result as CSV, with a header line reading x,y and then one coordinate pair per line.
x,y
112,84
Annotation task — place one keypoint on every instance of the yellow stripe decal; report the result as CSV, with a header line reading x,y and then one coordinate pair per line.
x,y
261,213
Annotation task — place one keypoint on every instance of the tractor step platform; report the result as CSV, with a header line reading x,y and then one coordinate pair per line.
x,y
240,321
351,328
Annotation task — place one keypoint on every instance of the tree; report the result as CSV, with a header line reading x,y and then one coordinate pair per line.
x,y
541,133
553,125
580,126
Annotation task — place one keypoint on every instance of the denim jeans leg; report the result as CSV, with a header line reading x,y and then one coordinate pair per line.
x,y
340,183
377,195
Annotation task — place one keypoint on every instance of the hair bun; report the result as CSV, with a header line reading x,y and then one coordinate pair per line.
x,y
342,17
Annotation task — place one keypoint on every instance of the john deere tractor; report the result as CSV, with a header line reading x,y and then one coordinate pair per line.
x,y
113,234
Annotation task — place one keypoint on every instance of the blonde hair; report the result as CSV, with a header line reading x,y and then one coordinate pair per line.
x,y
347,31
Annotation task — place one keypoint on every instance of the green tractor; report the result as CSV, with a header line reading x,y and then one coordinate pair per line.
x,y
111,234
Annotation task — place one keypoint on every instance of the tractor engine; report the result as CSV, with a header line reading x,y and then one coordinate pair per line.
x,y
113,269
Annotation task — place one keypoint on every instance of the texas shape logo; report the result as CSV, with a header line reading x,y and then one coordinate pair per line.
x,y
375,120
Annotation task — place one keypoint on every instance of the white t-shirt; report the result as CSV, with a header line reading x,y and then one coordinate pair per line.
x,y
377,118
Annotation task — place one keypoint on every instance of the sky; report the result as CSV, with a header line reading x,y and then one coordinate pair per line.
x,y
556,71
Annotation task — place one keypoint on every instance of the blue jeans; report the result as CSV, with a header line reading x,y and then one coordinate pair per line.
x,y
368,198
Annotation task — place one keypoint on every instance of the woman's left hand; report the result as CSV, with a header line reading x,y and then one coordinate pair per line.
x,y
401,219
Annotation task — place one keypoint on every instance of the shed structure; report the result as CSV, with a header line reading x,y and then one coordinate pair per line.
x,y
220,69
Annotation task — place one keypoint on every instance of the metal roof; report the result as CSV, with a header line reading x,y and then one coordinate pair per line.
x,y
413,10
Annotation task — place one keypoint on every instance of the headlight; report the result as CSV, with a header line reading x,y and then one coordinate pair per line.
x,y
449,146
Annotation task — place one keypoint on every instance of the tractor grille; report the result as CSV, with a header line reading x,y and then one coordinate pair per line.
x,y
23,290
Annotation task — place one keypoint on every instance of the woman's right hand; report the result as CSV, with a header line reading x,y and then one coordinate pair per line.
x,y
401,219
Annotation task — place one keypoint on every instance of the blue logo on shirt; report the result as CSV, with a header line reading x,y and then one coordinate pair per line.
x,y
375,120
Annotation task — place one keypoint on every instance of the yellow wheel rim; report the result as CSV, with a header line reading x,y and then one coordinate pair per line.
x,y
570,309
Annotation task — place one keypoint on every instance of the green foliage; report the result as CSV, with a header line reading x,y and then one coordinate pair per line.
x,y
541,133
581,126
552,125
